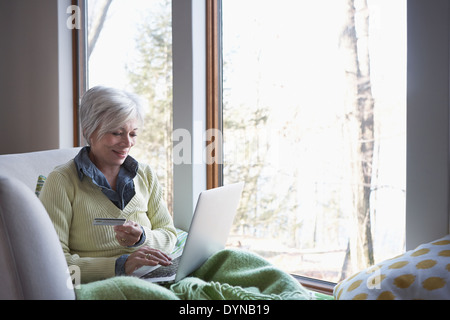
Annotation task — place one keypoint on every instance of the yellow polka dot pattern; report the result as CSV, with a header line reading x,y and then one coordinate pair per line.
x,y
422,273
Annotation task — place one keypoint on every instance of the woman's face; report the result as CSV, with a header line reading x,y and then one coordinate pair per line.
x,y
112,149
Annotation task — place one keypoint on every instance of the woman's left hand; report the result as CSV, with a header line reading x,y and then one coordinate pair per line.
x,y
128,234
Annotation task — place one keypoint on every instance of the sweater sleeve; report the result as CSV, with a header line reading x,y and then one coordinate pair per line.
x,y
57,197
163,234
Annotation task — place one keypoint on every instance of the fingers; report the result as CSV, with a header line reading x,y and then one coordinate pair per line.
x,y
128,234
146,256
155,255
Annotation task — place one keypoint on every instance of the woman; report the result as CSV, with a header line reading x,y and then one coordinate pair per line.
x,y
103,181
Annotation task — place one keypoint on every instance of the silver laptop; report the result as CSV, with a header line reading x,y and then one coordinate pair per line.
x,y
208,233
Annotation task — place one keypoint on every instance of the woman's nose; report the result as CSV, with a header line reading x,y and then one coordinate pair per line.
x,y
127,141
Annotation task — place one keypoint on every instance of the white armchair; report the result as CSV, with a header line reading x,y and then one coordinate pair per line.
x,y
32,263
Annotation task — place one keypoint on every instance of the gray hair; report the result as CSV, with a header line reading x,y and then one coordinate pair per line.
x,y
108,109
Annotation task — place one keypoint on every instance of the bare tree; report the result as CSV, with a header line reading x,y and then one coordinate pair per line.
x,y
360,128
96,22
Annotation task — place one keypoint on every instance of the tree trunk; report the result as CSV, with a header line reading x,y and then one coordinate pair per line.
x,y
360,128
97,25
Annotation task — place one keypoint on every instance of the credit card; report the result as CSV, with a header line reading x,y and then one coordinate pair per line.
x,y
108,222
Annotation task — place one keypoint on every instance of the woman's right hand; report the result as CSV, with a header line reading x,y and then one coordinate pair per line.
x,y
146,256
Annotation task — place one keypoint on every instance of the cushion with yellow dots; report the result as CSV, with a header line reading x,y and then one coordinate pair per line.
x,y
422,273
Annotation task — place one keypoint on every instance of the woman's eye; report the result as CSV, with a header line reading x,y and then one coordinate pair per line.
x,y
117,133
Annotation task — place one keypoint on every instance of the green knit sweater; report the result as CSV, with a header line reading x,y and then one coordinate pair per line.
x,y
73,204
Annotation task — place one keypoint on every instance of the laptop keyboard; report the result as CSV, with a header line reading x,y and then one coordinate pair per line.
x,y
164,271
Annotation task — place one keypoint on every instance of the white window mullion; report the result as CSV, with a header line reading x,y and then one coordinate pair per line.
x,y
189,105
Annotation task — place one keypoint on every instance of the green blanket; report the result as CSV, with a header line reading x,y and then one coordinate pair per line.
x,y
227,275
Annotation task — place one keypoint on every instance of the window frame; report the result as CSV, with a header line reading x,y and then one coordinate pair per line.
x,y
214,86
80,68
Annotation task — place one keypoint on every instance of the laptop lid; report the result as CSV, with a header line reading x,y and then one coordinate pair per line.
x,y
211,224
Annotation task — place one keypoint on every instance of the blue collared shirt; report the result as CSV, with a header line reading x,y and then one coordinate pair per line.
x,y
125,188
125,185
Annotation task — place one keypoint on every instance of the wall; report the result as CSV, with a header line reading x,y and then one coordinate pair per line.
x,y
35,106
427,188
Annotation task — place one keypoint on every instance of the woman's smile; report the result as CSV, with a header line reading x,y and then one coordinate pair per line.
x,y
121,154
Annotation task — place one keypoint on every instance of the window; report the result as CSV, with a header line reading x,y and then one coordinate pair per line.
x,y
130,47
314,121
427,120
